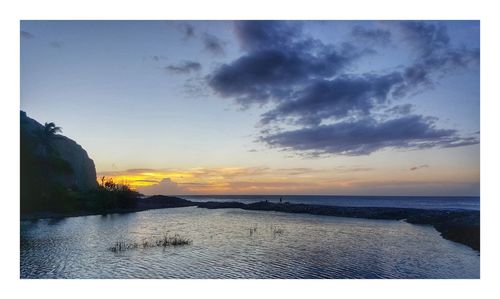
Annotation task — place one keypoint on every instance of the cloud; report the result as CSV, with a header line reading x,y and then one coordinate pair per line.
x,y
400,109
427,38
263,75
213,44
155,58
434,52
128,171
185,67
357,179
277,61
259,35
365,136
306,83
26,35
196,87
210,42
371,36
187,30
55,44
419,167
267,187
164,187
338,98
343,169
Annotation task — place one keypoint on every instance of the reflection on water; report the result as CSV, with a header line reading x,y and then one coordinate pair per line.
x,y
240,244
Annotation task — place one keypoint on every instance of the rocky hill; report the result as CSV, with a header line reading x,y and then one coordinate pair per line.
x,y
51,162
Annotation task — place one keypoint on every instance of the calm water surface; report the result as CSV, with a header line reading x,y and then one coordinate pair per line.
x,y
235,243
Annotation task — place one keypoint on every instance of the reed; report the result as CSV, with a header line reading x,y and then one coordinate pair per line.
x,y
253,230
164,241
277,230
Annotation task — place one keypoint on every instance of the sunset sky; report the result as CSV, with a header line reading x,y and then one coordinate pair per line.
x,y
261,107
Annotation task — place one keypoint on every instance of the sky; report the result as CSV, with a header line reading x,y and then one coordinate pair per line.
x,y
264,107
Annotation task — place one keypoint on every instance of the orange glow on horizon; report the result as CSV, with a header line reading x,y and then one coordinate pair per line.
x,y
263,180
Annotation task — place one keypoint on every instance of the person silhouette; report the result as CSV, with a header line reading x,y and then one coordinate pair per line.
x,y
281,199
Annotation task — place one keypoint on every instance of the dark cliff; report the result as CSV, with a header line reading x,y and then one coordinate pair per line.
x,y
82,175
51,165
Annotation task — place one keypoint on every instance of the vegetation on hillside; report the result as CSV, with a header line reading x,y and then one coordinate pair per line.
x,y
109,196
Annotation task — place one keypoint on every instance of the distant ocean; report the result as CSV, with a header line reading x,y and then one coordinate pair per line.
x,y
417,202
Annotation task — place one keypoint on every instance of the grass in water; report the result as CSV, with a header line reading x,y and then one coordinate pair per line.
x,y
276,230
166,240
253,230
174,240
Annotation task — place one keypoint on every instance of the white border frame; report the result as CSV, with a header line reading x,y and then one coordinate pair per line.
x,y
13,12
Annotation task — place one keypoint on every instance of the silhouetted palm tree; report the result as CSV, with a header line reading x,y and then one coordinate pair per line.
x,y
46,136
50,158
50,129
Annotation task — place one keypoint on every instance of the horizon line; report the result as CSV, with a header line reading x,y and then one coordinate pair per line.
x,y
283,195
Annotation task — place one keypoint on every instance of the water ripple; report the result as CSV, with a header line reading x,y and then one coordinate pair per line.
x,y
241,244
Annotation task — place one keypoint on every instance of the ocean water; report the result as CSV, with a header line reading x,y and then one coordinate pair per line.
x,y
233,243
418,202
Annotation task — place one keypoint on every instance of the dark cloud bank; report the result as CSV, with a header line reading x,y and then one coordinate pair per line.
x,y
306,83
368,135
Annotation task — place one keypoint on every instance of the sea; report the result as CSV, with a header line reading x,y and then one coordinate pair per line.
x,y
417,202
240,244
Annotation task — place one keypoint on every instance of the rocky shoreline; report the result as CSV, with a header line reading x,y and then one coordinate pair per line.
x,y
462,226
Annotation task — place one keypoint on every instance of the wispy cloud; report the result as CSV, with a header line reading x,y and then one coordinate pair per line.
x,y
56,44
188,31
213,44
419,167
185,67
26,35
373,36
155,58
